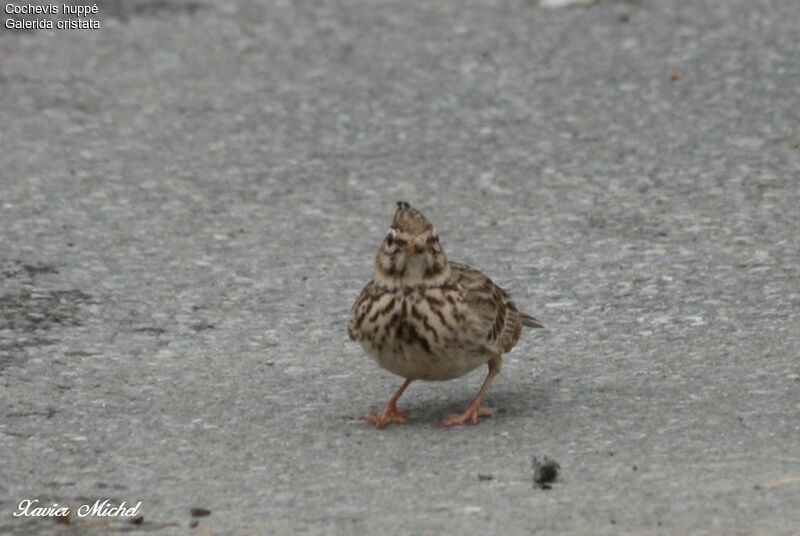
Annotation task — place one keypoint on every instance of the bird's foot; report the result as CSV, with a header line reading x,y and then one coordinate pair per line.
x,y
468,417
390,414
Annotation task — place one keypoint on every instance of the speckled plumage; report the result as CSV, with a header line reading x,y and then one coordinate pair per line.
x,y
425,318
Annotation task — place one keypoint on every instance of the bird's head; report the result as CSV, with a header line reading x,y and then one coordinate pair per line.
x,y
410,253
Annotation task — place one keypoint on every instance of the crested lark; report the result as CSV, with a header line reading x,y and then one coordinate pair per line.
x,y
425,318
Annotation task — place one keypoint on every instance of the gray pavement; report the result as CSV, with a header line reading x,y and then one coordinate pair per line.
x,y
190,198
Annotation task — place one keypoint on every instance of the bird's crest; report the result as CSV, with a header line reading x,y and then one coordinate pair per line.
x,y
409,220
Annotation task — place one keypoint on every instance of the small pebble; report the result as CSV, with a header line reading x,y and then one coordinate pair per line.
x,y
544,470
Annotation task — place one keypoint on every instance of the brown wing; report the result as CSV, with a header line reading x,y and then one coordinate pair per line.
x,y
358,311
493,305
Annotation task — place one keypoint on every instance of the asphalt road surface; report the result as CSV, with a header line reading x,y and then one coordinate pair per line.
x,y
192,194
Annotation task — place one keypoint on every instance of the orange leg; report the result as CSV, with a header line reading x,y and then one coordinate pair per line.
x,y
474,410
390,413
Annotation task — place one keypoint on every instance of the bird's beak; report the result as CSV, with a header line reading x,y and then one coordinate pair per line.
x,y
415,246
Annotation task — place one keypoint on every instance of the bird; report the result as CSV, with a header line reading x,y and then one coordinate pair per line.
x,y
423,317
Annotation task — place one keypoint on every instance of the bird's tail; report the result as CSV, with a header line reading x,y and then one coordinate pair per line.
x,y
528,320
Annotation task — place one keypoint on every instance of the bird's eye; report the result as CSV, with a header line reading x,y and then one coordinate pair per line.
x,y
390,239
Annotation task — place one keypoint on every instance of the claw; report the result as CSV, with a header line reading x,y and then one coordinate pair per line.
x,y
386,416
468,417
390,413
